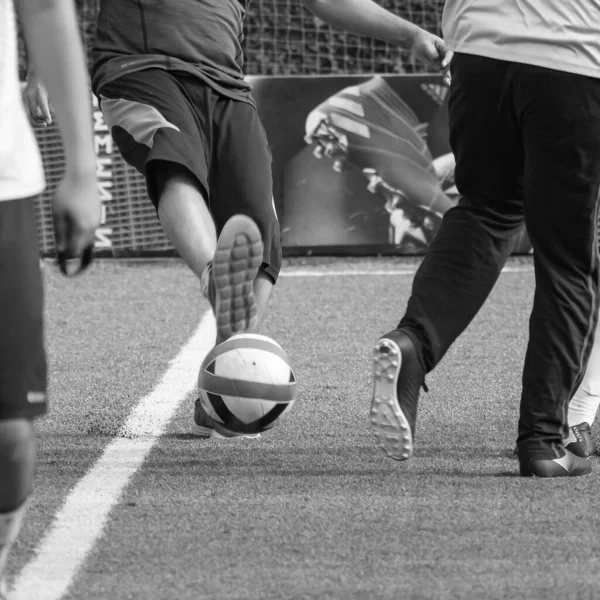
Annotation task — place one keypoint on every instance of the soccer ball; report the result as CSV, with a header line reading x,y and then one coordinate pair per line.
x,y
246,383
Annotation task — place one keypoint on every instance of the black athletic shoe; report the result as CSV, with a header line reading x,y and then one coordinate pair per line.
x,y
569,465
583,445
398,377
205,426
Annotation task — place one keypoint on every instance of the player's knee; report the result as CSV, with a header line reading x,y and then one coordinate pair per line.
x,y
17,439
167,178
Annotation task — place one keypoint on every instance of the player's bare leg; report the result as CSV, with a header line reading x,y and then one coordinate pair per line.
x,y
17,464
187,221
188,224
263,286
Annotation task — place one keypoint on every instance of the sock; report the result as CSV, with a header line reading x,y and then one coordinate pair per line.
x,y
584,404
583,408
207,285
10,525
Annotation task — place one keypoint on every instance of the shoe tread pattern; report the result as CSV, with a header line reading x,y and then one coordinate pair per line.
x,y
236,262
390,426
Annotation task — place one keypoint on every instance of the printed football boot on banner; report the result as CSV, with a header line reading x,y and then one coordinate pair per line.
x,y
369,127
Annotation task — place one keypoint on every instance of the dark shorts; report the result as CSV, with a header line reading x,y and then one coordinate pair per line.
x,y
156,116
22,356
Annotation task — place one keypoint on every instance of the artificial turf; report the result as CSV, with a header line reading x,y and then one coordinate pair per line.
x,y
313,510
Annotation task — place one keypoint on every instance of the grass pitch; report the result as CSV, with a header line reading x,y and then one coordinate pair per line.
x,y
313,510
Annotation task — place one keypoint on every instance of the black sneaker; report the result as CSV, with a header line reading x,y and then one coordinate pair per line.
x,y
583,445
398,377
569,465
205,427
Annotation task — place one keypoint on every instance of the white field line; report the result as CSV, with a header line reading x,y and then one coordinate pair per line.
x,y
350,272
79,523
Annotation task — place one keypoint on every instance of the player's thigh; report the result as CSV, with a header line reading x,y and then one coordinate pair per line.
x,y
22,355
560,113
241,180
156,128
484,135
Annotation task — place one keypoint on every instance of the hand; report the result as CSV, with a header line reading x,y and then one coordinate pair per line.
x,y
447,78
76,211
36,102
429,49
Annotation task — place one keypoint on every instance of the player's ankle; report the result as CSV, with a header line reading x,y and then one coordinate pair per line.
x,y
10,526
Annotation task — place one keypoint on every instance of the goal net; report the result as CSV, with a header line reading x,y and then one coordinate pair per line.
x,y
283,38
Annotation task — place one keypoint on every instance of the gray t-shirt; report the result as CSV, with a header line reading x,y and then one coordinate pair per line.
x,y
199,37
557,34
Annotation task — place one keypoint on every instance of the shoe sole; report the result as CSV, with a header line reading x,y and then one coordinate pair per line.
x,y
236,436
200,431
207,432
390,426
553,471
235,264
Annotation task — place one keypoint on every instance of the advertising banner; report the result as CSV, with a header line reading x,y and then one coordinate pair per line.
x,y
361,164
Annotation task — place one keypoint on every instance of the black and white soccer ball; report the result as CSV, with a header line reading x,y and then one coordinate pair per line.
x,y
247,384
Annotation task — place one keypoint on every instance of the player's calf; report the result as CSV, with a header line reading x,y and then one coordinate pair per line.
x,y
17,460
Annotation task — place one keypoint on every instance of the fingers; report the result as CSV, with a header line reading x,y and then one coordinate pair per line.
x,y
74,245
61,232
70,237
441,57
37,104
71,267
431,50
78,241
446,76
43,110
447,58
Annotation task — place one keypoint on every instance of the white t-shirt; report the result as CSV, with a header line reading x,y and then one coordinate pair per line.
x,y
557,34
21,171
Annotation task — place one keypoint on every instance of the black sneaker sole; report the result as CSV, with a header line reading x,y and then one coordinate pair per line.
x,y
390,426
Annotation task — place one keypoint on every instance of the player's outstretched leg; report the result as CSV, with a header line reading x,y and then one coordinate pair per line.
x,y
398,376
229,284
